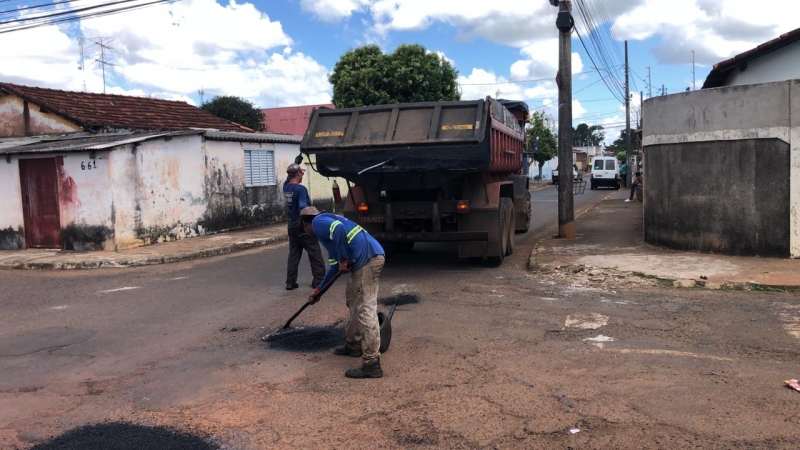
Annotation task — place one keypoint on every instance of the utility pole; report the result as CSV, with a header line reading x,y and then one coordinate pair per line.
x,y
641,109
201,92
694,87
81,42
649,84
104,59
627,117
566,201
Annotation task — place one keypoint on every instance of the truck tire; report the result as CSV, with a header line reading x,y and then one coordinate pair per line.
x,y
405,246
528,214
508,206
502,236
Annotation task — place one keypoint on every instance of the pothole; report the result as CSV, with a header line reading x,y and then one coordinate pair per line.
x,y
307,339
400,300
125,436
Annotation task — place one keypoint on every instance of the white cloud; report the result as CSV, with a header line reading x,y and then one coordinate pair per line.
x,y
169,51
715,29
333,10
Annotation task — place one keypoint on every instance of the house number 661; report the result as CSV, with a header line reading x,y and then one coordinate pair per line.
x,y
90,165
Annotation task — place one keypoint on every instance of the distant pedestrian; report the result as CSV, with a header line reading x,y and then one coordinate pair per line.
x,y
352,249
296,196
623,170
638,183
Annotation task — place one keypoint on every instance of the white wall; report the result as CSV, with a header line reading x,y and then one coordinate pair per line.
x,y
780,65
85,199
11,217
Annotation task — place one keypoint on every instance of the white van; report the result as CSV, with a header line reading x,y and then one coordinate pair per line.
x,y
605,172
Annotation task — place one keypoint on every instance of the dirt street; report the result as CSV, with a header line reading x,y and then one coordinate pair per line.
x,y
487,358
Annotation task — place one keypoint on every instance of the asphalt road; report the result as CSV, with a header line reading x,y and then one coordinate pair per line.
x,y
489,357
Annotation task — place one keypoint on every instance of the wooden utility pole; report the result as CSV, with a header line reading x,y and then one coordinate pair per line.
x,y
566,201
627,118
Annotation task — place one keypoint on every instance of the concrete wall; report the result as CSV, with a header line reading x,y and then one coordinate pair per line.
x,y
780,65
12,119
12,222
85,201
722,170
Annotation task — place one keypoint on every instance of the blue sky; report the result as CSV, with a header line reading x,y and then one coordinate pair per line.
x,y
279,52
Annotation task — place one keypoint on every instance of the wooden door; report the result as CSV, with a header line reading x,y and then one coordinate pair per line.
x,y
40,202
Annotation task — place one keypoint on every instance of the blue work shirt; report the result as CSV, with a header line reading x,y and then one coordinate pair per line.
x,y
296,196
624,169
344,240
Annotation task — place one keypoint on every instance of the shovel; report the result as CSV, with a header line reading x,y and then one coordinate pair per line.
x,y
306,305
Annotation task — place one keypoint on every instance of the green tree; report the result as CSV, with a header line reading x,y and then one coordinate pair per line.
x,y
366,76
584,135
548,147
618,147
236,109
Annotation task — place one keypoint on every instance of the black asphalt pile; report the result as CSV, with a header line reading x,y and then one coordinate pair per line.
x,y
125,436
400,300
307,339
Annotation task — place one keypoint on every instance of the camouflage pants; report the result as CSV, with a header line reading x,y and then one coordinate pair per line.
x,y
362,301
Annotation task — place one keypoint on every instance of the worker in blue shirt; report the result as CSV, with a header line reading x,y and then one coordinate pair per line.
x,y
351,249
296,198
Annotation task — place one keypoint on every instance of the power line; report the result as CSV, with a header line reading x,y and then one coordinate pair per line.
x,y
36,6
48,21
519,81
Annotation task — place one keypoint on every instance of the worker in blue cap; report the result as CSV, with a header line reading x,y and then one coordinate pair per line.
x,y
351,249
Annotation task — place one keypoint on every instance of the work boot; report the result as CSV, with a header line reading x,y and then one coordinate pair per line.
x,y
347,350
292,286
366,371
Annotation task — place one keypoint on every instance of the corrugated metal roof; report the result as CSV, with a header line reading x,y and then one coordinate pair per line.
x,y
253,137
78,143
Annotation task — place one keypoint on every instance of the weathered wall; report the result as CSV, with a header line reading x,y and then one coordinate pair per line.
x,y
719,196
12,119
780,65
719,165
320,188
85,201
171,194
12,222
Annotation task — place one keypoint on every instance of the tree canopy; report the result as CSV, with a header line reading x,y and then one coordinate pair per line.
x,y
548,147
236,109
366,76
618,146
585,135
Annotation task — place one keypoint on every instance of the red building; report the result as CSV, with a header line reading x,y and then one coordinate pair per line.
x,y
289,120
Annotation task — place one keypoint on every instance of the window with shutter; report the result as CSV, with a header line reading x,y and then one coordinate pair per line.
x,y
259,168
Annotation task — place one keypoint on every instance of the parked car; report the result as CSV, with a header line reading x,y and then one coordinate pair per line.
x,y
605,172
576,174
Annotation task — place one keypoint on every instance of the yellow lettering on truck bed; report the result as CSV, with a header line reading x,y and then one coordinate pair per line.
x,y
457,127
329,133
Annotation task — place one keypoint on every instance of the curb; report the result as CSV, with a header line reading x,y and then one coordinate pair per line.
x,y
539,187
111,264
532,260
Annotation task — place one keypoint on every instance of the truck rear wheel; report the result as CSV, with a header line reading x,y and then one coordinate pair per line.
x,y
500,240
528,214
508,208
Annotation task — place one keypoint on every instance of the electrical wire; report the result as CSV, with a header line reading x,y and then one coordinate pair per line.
x,y
50,21
44,5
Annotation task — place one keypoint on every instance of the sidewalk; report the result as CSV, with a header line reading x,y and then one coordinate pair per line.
x,y
611,236
175,251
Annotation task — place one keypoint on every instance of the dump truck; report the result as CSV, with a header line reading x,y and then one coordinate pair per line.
x,y
429,172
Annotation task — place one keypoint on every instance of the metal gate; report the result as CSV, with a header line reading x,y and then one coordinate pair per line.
x,y
39,183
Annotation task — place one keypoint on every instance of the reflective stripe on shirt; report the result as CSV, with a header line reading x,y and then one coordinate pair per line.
x,y
352,234
333,226
333,262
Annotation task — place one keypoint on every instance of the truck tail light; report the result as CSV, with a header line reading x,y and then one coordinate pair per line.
x,y
363,208
462,206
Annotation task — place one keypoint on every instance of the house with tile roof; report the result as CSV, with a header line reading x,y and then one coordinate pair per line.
x,y
95,172
27,111
774,60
